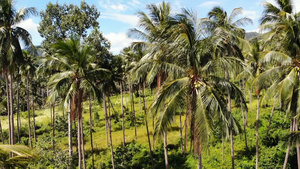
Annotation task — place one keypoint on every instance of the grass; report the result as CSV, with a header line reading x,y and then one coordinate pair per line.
x,y
212,155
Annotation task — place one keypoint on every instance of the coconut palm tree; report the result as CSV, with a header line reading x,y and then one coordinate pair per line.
x,y
227,37
195,84
78,72
282,44
154,30
10,49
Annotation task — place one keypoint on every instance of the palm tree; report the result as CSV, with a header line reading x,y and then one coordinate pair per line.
x,y
27,70
227,37
194,85
78,72
10,49
155,27
282,44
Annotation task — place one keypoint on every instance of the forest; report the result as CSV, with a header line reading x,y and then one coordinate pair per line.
x,y
190,93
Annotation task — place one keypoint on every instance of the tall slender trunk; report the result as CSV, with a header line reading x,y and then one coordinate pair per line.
x,y
250,99
186,128
271,116
133,111
70,140
231,125
79,100
33,117
148,135
192,133
166,149
18,113
53,125
245,132
11,98
124,94
180,121
8,106
288,148
123,116
106,118
109,127
79,143
297,144
232,147
223,146
140,102
82,143
257,120
153,123
28,109
91,131
200,157
1,132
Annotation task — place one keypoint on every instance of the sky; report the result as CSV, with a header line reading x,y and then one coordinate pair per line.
x,y
118,16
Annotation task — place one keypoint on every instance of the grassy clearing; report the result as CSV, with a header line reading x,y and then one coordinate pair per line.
x,y
270,147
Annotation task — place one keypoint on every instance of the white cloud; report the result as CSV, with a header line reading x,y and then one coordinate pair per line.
x,y
118,41
297,5
250,14
118,5
210,4
130,19
32,28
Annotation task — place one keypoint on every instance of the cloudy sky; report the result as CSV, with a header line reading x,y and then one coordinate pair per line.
x,y
118,16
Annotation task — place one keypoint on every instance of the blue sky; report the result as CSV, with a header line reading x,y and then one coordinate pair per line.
x,y
118,16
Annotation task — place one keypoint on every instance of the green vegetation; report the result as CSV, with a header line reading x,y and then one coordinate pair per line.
x,y
193,94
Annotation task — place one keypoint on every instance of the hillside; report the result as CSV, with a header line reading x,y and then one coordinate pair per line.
x,y
272,150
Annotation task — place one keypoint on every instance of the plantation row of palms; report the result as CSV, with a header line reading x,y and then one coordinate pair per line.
x,y
196,64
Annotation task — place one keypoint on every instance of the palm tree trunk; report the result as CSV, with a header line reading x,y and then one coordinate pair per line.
x,y
111,143
79,143
82,143
80,130
271,116
147,128
18,113
166,149
232,147
231,127
257,120
200,157
1,132
8,106
250,101
28,109
106,118
288,148
297,144
186,127
180,121
53,125
192,133
123,116
70,140
33,117
140,102
11,100
153,123
133,111
245,132
91,131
